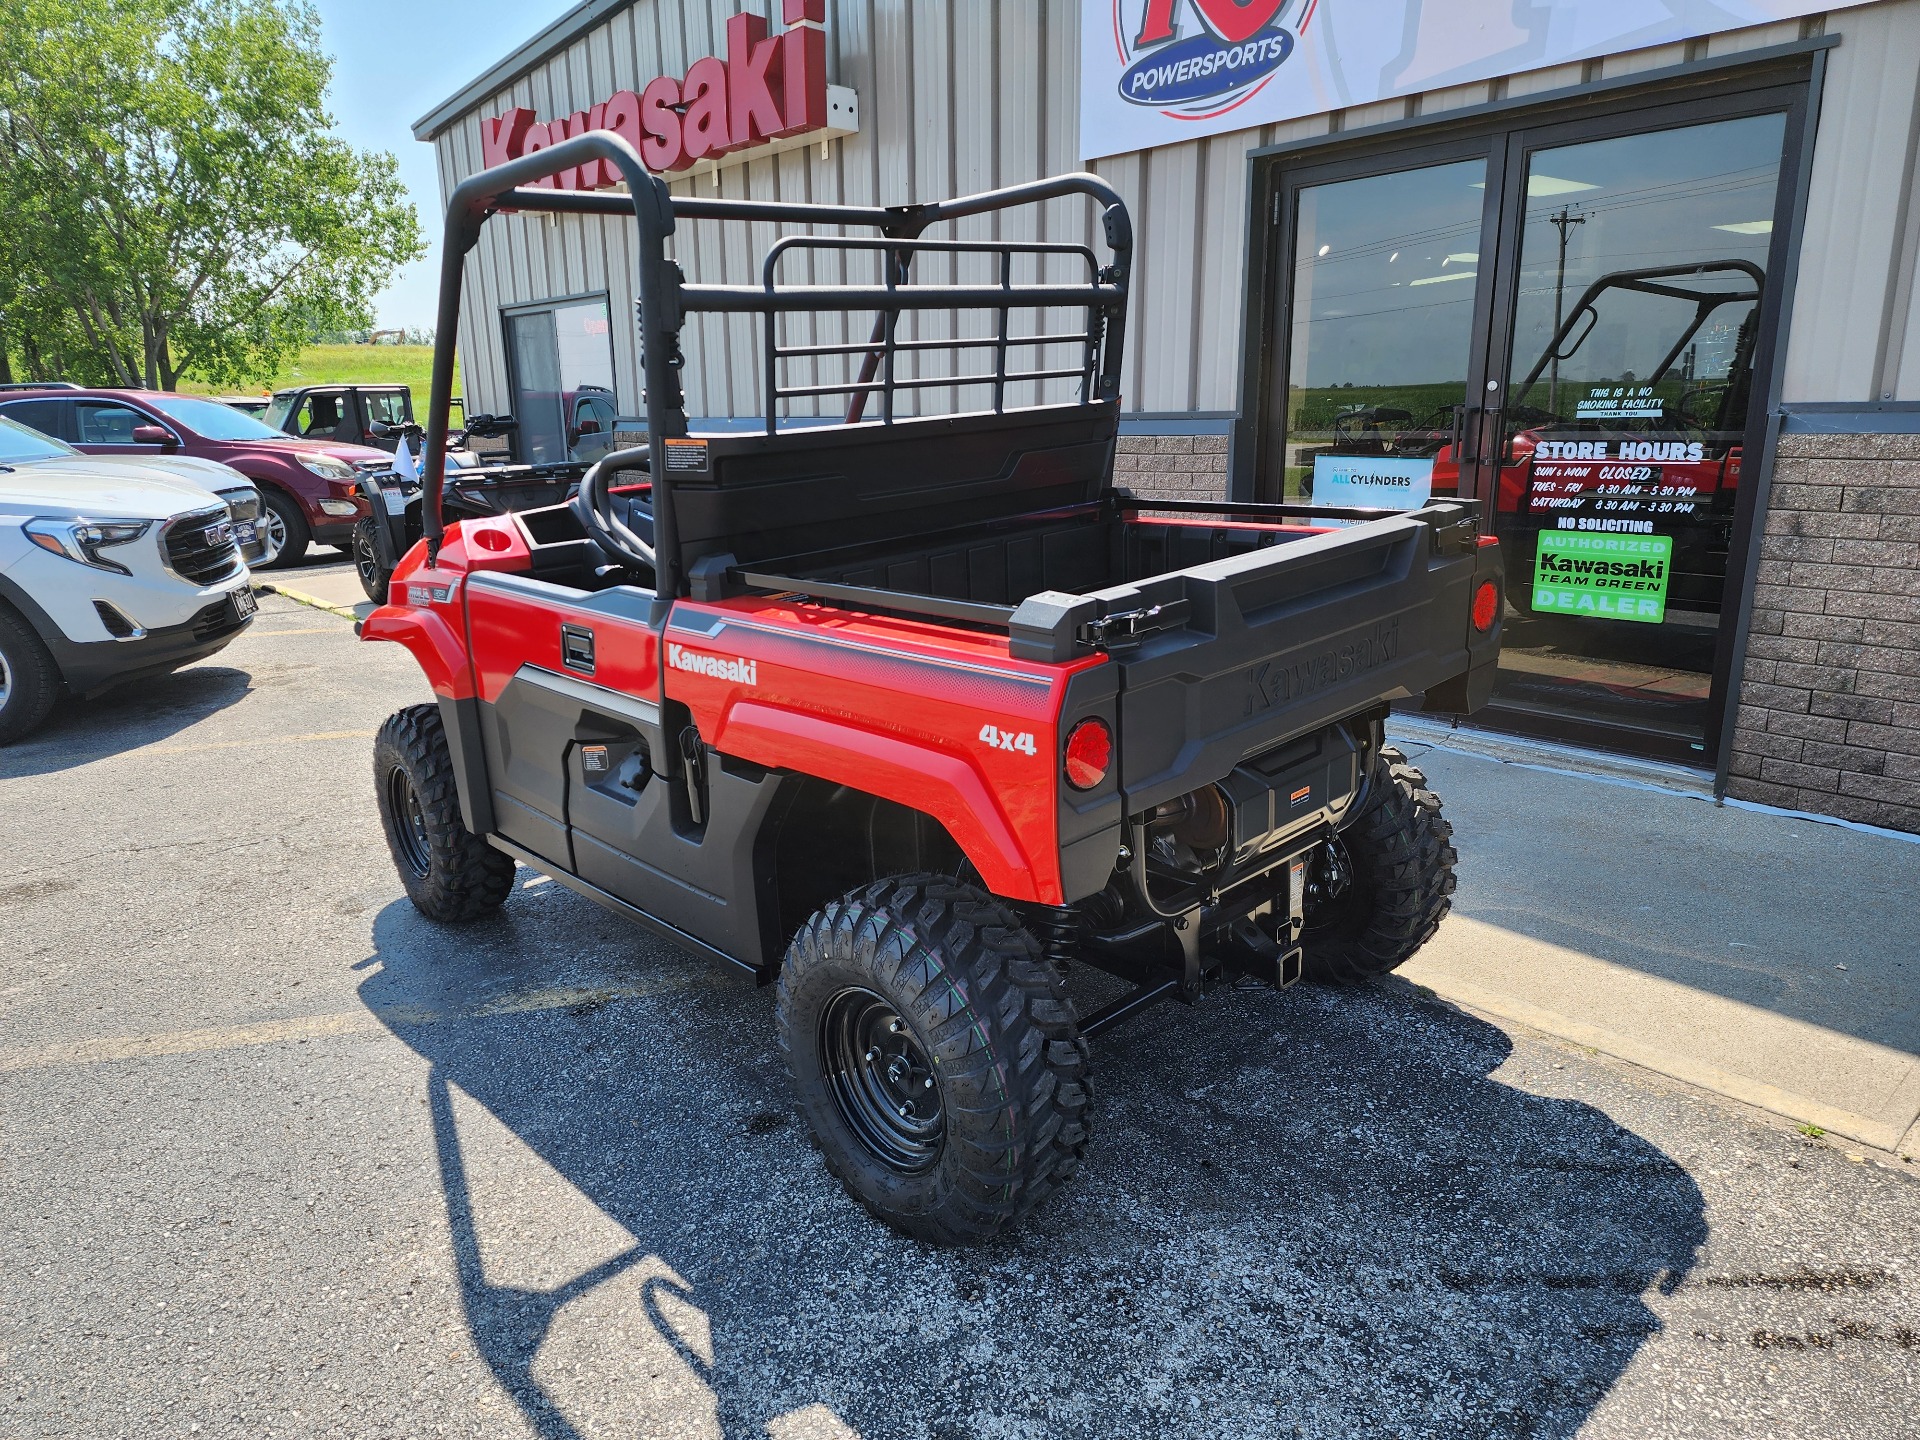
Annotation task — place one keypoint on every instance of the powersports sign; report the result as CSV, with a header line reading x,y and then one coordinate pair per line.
x,y
1156,72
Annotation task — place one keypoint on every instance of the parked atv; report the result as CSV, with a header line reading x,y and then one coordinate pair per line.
x,y
913,717
394,521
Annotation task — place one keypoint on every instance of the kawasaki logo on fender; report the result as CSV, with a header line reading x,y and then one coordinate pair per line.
x,y
1192,74
1272,681
741,672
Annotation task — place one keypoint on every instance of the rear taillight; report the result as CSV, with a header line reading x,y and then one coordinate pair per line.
x,y
1089,754
1486,606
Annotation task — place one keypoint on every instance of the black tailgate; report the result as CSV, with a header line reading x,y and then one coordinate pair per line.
x,y
1274,643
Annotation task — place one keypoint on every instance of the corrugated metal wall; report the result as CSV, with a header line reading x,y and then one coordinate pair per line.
x,y
963,97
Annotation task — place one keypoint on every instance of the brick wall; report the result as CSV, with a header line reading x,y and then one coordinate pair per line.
x,y
1173,467
1829,715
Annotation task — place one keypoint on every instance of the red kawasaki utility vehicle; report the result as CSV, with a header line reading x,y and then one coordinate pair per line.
x,y
912,716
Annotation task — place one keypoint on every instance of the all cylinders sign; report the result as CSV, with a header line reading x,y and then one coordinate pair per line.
x,y
1156,72
766,88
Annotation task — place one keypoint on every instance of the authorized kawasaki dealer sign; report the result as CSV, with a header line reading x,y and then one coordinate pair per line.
x,y
1610,577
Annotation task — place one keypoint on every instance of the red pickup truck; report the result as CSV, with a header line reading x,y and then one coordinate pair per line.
x,y
912,717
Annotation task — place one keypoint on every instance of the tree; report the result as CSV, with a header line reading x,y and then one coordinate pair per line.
x,y
174,197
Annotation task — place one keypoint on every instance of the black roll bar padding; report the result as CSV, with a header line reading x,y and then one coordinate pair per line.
x,y
590,498
468,208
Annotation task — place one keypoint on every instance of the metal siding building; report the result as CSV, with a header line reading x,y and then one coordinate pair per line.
x,y
1814,689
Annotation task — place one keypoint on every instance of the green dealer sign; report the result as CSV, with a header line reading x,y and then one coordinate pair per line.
x,y
1613,577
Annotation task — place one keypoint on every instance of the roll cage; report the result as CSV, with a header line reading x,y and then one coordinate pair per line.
x,y
666,299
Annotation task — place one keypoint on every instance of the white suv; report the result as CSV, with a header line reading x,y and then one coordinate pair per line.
x,y
106,575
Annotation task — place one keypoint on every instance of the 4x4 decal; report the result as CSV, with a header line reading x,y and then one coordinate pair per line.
x,y
1018,740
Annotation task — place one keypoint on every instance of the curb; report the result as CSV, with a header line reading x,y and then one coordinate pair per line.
x,y
301,597
1880,1134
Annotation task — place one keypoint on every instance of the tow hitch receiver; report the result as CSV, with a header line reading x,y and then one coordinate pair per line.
x,y
1265,944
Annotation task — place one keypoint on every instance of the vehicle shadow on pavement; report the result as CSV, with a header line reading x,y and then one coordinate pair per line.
x,y
1312,1213
142,712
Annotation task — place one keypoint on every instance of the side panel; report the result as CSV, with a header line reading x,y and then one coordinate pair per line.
x,y
537,650
956,731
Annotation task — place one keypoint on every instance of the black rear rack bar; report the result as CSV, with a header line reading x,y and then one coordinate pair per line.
x,y
665,299
974,612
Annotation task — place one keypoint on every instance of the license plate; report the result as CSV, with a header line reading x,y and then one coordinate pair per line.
x,y
243,532
243,603
396,499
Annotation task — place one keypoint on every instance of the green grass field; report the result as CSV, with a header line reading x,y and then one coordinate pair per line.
x,y
410,365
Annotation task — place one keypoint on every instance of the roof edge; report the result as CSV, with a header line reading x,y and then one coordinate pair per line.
x,y
503,72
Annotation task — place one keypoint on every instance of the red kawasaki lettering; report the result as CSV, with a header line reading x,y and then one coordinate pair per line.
x,y
660,148
752,71
704,130
623,118
803,82
503,137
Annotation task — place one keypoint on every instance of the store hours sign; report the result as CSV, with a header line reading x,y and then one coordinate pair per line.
x,y
1156,72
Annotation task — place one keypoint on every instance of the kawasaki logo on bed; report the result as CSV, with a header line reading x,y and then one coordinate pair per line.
x,y
741,672
1194,74
1608,577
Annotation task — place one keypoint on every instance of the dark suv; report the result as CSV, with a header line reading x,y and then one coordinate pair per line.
x,y
307,487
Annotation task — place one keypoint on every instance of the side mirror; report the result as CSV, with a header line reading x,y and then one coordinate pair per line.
x,y
154,435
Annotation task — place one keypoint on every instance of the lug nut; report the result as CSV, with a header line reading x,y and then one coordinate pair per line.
x,y
927,1084
872,1055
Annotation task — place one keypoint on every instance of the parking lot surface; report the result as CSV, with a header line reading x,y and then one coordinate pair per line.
x,y
283,1159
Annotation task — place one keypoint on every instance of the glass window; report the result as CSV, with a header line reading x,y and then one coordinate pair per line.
x,y
1384,276
209,417
319,416
103,422
387,407
49,417
19,443
558,354
1642,270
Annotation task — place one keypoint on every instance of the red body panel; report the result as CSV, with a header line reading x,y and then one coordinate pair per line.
x,y
892,707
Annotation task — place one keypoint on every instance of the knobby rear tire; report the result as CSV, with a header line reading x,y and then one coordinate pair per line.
x,y
451,875
988,1011
1400,849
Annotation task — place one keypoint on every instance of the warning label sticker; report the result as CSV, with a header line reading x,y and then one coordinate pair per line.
x,y
686,457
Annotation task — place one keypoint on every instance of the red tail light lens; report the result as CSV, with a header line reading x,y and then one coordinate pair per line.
x,y
1089,754
1486,606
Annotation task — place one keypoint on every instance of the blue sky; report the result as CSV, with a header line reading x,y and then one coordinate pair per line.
x,y
394,60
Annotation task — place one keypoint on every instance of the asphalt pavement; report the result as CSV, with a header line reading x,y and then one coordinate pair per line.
x,y
280,1158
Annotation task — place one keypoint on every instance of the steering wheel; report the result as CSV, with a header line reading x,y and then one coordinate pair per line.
x,y
594,508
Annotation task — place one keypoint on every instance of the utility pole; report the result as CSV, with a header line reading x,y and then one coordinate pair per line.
x,y
1563,222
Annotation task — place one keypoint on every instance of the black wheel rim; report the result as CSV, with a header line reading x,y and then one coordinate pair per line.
x,y
409,823
882,1081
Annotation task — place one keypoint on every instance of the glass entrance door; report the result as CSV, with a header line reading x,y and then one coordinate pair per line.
x,y
1642,267
1380,339
561,359
1569,324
